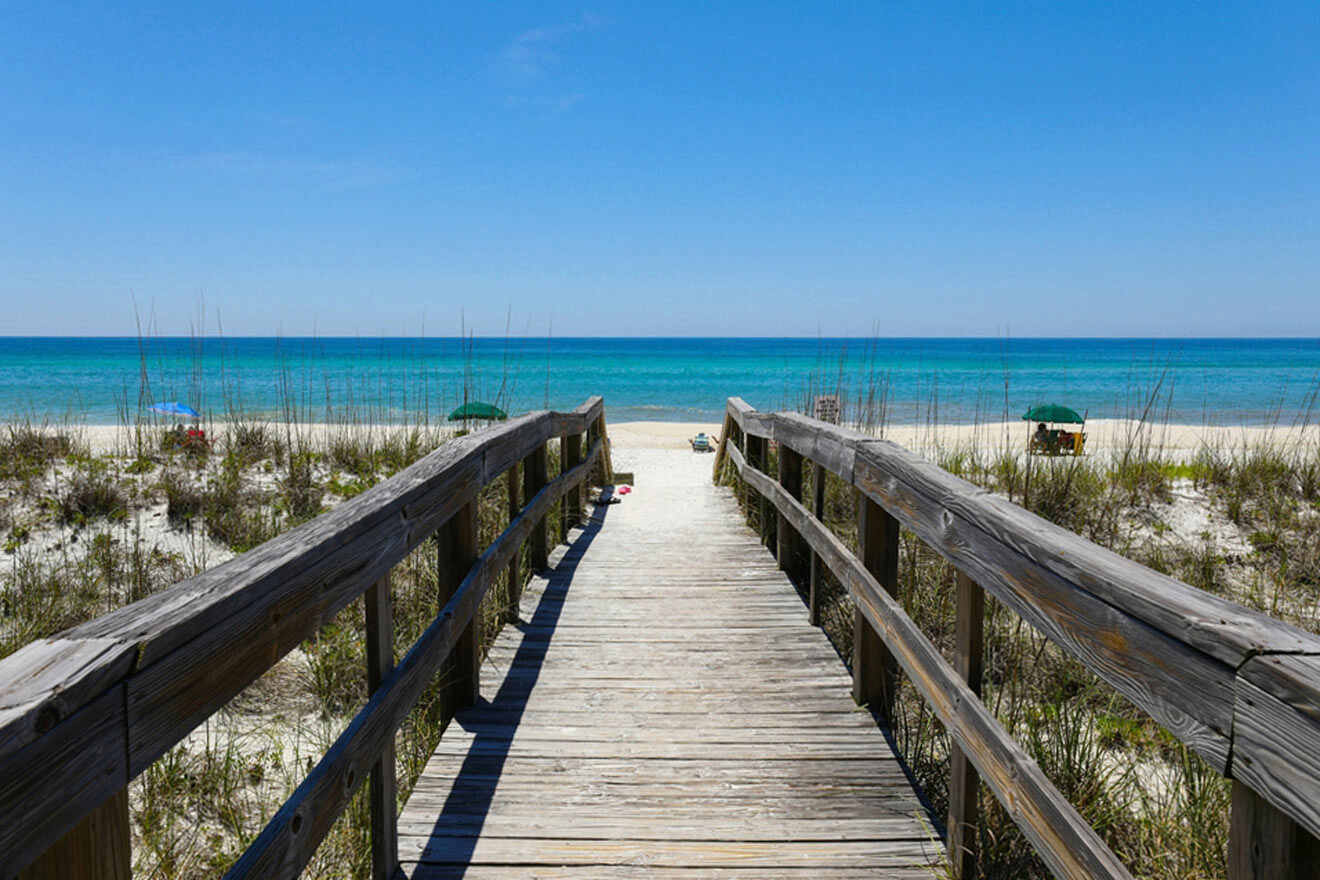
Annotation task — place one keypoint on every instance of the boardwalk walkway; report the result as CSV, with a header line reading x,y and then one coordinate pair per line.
x,y
665,706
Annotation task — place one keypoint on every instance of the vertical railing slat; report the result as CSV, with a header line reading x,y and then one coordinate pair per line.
x,y
757,458
964,781
571,510
875,672
381,792
818,508
97,848
515,564
534,480
457,551
789,467
1264,843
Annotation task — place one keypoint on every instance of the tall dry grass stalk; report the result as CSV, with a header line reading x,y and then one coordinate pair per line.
x,y
1157,804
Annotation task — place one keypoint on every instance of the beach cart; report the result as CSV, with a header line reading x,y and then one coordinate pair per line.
x,y
1055,433
702,443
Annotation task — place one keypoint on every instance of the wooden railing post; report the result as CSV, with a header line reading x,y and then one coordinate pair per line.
x,y
745,443
875,672
606,461
515,564
786,542
964,781
97,848
1264,843
757,457
534,480
818,508
726,434
457,540
380,660
570,456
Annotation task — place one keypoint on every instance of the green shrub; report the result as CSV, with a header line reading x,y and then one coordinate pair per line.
x,y
89,494
27,452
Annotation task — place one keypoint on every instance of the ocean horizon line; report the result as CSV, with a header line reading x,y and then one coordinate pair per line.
x,y
543,338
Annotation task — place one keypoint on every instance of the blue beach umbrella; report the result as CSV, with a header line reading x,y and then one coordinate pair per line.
x,y
174,408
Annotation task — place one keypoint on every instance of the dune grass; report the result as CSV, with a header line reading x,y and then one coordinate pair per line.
x,y
1158,805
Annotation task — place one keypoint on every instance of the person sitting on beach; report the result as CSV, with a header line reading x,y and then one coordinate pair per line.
x,y
1042,435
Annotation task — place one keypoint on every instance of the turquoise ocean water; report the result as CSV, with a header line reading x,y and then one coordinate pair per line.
x,y
1216,381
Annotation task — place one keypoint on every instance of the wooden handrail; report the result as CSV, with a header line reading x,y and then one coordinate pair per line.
x,y
85,711
1238,687
290,839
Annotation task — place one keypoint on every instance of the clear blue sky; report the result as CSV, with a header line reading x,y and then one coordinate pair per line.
x,y
938,169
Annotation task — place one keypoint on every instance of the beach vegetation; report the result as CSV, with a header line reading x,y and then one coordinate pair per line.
x,y
1239,521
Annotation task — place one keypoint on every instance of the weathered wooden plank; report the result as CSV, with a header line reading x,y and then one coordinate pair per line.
x,y
100,847
725,430
290,838
682,854
60,777
964,783
875,672
1064,841
382,793
1264,843
786,543
652,702
265,601
196,645
534,477
828,445
758,457
750,422
30,707
571,454
456,553
514,574
580,419
606,458
1276,734
424,871
571,823
1186,690
817,508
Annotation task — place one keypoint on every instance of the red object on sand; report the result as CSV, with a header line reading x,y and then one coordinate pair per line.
x,y
624,490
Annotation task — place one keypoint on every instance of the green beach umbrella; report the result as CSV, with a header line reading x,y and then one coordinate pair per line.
x,y
1053,413
477,410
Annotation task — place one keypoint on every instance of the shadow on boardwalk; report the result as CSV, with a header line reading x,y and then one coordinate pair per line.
x,y
462,819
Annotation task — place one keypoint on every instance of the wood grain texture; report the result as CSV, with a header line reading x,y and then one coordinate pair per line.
x,y
1186,690
964,782
100,847
1265,844
787,549
456,552
1154,639
818,508
665,707
145,675
382,792
875,672
571,454
534,477
1063,840
726,430
49,785
288,841
1276,734
514,573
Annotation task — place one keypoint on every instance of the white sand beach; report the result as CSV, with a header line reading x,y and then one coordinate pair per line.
x,y
1104,437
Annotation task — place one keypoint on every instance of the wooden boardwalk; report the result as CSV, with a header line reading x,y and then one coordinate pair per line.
x,y
665,705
